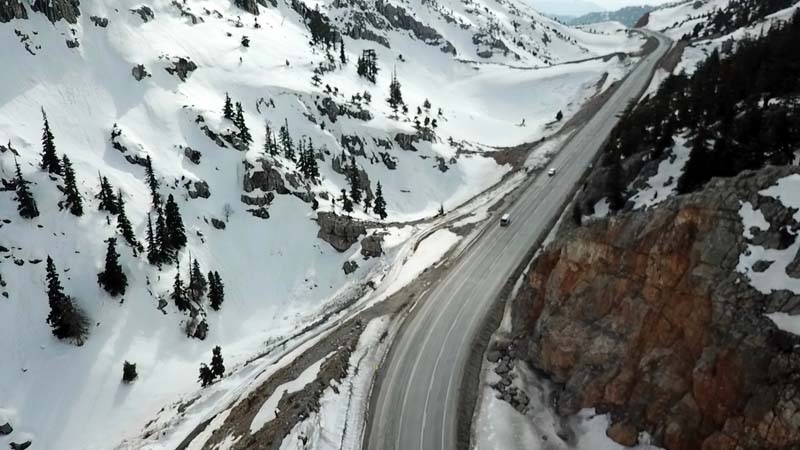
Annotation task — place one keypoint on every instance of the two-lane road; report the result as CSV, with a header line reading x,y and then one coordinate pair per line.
x,y
417,400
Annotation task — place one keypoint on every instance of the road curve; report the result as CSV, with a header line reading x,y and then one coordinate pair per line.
x,y
417,400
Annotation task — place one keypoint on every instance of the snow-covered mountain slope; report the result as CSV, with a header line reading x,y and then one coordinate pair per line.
x,y
107,75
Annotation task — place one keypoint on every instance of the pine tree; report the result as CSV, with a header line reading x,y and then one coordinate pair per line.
x,y
355,181
367,65
152,181
73,197
174,224
197,282
26,204
395,95
179,292
206,375
342,56
216,290
227,110
50,161
244,132
113,279
64,318
616,186
270,145
367,203
313,166
347,204
217,366
153,247
108,201
302,160
165,249
380,203
286,141
124,225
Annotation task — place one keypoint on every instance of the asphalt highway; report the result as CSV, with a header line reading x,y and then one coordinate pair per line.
x,y
418,399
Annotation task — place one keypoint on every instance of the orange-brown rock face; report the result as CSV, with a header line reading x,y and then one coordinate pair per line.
x,y
644,316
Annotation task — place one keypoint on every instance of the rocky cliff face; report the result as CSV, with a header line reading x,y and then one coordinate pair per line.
x,y
56,10
12,9
644,316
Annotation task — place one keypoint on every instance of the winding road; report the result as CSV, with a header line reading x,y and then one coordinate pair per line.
x,y
418,395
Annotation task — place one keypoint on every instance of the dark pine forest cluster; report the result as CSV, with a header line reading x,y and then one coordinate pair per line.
x,y
741,112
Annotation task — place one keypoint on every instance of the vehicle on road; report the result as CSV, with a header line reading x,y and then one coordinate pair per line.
x,y
505,220
551,172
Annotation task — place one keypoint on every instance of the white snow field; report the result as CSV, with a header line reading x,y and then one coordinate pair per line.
x,y
278,275
775,276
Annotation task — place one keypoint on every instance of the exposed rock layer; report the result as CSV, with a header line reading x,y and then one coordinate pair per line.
x,y
644,316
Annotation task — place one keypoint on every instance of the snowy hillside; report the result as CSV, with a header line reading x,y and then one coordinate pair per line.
x,y
128,81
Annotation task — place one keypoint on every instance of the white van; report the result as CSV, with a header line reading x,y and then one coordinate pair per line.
x,y
505,220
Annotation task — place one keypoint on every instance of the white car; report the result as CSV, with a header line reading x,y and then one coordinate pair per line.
x,y
505,220
551,172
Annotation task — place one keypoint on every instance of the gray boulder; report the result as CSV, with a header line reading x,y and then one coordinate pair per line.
x,y
181,68
341,232
349,267
6,429
199,189
139,72
144,12
371,246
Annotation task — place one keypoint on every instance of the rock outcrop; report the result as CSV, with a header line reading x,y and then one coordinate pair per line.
x,y
341,232
12,9
644,316
182,68
56,10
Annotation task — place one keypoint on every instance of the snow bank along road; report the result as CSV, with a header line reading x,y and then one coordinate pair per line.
x,y
417,400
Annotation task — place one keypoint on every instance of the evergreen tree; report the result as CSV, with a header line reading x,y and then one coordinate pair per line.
x,y
367,203
286,141
217,366
108,201
152,181
174,224
342,56
698,168
26,204
395,95
367,65
64,318
313,166
355,181
113,279
197,282
347,204
124,225
216,290
616,186
244,132
270,145
206,375
179,292
166,251
302,160
73,198
153,248
227,110
380,203
50,161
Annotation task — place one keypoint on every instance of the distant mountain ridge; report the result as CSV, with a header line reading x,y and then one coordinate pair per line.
x,y
628,16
